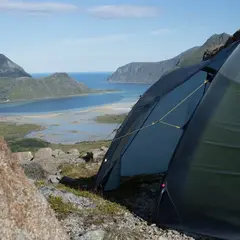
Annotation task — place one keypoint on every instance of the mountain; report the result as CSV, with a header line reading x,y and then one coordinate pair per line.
x,y
10,69
150,72
53,86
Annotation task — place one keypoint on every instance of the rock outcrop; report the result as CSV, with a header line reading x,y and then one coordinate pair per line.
x,y
149,73
211,52
10,69
24,212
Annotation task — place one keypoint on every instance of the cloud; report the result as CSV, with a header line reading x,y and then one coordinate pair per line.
x,y
36,7
97,39
123,11
162,31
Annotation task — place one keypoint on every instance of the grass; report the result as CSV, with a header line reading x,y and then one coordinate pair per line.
x,y
79,171
27,144
34,144
62,209
103,207
111,118
13,131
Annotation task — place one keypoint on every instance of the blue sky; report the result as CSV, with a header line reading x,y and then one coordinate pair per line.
x,y
93,35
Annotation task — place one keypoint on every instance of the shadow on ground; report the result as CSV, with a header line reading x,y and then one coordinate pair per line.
x,y
137,194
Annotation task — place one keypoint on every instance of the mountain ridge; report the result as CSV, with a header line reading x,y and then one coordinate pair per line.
x,y
10,69
150,72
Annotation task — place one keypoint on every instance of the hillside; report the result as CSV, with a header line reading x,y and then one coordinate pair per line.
x,y
53,86
150,72
10,69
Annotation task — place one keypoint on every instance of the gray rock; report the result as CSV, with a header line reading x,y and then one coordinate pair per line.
x,y
34,171
43,153
94,235
50,165
105,149
67,197
24,157
74,152
10,69
78,161
57,153
55,179
98,155
24,213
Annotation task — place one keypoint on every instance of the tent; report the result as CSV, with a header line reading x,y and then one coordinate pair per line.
x,y
187,127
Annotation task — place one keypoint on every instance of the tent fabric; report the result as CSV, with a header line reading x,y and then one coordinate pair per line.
x,y
140,113
205,198
146,104
199,157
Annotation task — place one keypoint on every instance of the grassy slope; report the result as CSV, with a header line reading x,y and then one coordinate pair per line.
x,y
48,87
33,144
111,118
12,131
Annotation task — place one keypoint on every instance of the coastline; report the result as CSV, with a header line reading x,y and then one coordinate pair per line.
x,y
97,92
72,126
115,108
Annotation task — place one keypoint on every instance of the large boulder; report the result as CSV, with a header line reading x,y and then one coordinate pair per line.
x,y
24,212
24,157
34,171
46,157
43,153
57,153
98,154
74,152
50,165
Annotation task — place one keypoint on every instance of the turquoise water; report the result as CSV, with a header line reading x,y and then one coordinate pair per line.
x,y
128,93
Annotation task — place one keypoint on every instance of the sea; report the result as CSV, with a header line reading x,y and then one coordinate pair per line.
x,y
125,93
75,123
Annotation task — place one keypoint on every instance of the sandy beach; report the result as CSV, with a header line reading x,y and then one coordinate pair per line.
x,y
72,126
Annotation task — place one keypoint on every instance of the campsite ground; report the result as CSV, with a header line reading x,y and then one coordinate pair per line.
x,y
122,214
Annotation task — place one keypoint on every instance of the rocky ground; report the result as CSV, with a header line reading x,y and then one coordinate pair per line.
x,y
65,180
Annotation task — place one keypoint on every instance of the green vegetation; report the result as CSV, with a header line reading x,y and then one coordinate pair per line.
x,y
62,209
103,207
111,118
14,134
79,170
54,86
27,144
13,131
34,144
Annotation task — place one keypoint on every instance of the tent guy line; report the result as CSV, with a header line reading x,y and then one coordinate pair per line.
x,y
161,119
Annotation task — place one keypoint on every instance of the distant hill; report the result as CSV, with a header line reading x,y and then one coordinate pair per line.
x,y
10,69
53,86
150,72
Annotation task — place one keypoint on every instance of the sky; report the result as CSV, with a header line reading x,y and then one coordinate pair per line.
x,y
93,35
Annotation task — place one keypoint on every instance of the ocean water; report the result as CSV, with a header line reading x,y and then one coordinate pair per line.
x,y
75,119
126,93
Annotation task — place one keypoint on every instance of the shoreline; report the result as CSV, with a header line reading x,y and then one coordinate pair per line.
x,y
118,107
63,97
72,126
